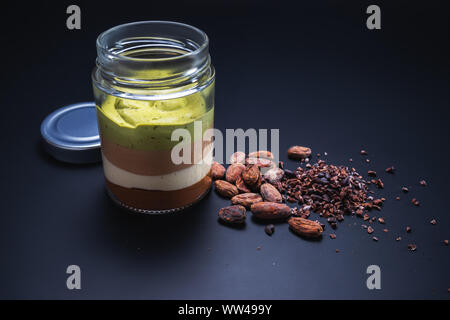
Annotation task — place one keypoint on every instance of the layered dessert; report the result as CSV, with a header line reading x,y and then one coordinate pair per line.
x,y
137,151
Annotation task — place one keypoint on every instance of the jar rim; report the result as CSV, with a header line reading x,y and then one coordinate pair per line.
x,y
101,42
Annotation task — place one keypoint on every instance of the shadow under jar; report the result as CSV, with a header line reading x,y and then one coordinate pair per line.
x,y
152,78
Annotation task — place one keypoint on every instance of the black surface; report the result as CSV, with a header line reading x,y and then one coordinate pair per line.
x,y
313,71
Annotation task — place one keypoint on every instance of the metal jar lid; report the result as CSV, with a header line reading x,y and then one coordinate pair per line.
x,y
70,134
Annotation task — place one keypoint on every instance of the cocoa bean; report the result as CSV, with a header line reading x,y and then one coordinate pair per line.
x,y
225,189
232,214
233,172
246,199
261,154
270,210
217,170
237,157
270,193
299,152
251,175
305,228
242,187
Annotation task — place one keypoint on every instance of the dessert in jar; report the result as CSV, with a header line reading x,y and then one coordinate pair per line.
x,y
151,79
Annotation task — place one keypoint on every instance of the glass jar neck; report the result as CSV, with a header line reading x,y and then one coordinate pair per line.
x,y
152,58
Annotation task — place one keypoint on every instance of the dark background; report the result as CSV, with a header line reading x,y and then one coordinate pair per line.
x,y
312,70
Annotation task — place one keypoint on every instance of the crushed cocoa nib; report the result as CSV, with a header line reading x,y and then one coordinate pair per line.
x,y
381,220
423,183
269,229
366,217
446,242
385,230
433,222
390,170
337,251
372,173
375,238
405,189
332,236
397,198
363,152
330,191
350,160
412,247
408,229
415,202
378,202
368,160
370,230
398,239
379,183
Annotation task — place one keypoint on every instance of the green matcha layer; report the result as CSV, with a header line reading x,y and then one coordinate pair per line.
x,y
148,125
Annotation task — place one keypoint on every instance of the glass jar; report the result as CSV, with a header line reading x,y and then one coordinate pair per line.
x,y
152,78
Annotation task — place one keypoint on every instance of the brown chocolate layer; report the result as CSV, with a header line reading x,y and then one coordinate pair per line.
x,y
160,200
145,162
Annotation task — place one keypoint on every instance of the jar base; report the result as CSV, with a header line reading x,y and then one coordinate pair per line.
x,y
153,212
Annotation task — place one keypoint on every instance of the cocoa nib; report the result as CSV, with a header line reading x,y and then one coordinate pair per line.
x,y
372,173
363,152
232,214
415,202
408,229
412,247
446,242
433,222
269,229
370,230
390,170
379,183
423,183
405,189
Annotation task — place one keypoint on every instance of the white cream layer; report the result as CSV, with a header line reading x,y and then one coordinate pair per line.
x,y
168,182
